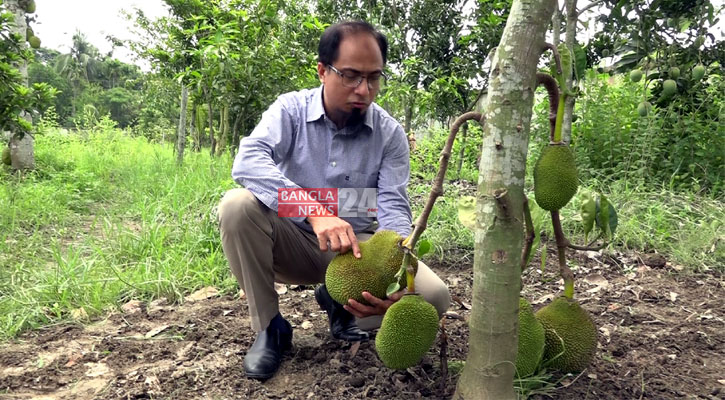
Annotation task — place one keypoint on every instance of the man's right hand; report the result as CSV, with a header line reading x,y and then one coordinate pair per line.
x,y
337,232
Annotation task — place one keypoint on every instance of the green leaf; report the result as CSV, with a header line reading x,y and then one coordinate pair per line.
x,y
392,288
467,211
588,212
606,218
424,247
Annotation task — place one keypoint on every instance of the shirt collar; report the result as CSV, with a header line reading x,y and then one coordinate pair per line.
x,y
316,110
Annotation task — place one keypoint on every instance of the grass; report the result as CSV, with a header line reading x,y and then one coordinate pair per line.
x,y
106,218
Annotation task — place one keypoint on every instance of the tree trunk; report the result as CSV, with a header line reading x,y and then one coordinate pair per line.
x,y
199,118
22,152
570,39
493,341
210,112
556,26
236,133
409,112
223,131
181,133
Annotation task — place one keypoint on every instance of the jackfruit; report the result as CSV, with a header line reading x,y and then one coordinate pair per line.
x,y
635,75
407,332
34,42
30,7
669,87
29,33
605,53
674,72
531,341
347,277
643,108
6,155
571,337
555,177
698,72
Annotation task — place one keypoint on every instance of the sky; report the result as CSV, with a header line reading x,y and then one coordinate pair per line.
x,y
57,21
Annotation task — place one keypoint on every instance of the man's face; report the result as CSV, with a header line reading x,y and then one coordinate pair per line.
x,y
358,53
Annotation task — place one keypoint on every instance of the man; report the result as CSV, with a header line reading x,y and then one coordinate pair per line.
x,y
333,136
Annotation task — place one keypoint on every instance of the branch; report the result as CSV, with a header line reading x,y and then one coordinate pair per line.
x,y
444,358
590,6
530,235
552,89
586,248
557,59
437,190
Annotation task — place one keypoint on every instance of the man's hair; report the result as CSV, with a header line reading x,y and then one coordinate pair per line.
x,y
329,47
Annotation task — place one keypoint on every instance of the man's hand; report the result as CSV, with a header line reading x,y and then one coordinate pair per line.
x,y
377,306
337,232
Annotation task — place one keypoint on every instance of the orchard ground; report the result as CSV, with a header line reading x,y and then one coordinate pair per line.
x,y
661,336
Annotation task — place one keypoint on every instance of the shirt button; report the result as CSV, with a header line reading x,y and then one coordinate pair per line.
x,y
333,163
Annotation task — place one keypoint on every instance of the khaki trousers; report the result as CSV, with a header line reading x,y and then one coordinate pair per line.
x,y
263,248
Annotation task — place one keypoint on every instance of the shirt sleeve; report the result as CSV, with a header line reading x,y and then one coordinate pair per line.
x,y
255,165
393,206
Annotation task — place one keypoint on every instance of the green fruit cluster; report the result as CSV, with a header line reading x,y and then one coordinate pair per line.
x,y
531,341
571,336
407,332
555,177
6,156
381,257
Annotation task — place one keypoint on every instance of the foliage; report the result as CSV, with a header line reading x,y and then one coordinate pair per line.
x,y
16,98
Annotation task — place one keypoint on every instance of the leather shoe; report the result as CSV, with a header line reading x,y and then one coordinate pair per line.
x,y
265,355
342,323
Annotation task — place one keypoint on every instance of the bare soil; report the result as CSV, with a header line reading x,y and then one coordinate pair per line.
x,y
661,336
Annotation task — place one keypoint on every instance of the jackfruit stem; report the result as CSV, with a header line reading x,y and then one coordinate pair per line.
x,y
530,235
552,89
561,245
559,118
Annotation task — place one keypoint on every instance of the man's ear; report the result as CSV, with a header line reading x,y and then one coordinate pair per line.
x,y
321,71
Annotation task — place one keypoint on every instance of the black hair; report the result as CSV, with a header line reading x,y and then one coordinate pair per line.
x,y
329,47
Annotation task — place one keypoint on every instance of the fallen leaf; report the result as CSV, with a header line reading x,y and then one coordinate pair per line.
x,y
280,288
354,348
152,381
543,299
306,325
242,294
592,376
132,307
156,331
73,359
673,296
614,307
227,312
597,280
203,294
453,282
79,314
96,369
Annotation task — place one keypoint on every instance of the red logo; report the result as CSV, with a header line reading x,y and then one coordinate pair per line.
x,y
327,202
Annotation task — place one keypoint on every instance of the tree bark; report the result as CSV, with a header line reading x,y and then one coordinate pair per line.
x,y
223,130
409,112
570,39
462,151
236,133
22,152
212,140
499,234
181,133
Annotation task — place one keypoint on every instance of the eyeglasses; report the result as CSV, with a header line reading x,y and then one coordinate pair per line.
x,y
352,79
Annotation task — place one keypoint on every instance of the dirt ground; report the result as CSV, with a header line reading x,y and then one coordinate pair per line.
x,y
661,336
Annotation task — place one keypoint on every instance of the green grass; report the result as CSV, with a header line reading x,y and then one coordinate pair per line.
x,y
106,218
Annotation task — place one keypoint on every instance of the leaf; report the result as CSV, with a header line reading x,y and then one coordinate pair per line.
x,y
467,211
606,217
424,248
588,212
392,288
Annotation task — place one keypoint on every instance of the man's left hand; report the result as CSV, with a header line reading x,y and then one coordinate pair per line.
x,y
377,306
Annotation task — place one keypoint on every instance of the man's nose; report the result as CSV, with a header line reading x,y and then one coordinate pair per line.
x,y
363,89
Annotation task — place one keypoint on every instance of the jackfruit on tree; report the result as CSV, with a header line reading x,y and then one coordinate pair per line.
x,y
571,336
30,7
381,256
669,87
555,177
6,155
34,42
531,341
698,72
674,72
407,332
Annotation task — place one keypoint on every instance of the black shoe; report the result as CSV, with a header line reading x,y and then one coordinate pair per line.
x,y
342,323
265,355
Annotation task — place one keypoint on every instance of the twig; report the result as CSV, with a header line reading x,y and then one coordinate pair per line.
x,y
444,358
530,235
557,59
586,248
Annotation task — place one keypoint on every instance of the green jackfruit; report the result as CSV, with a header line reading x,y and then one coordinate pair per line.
x,y
674,72
669,87
34,42
6,155
531,340
347,277
30,7
571,337
643,108
555,177
407,332
635,75
698,72
29,33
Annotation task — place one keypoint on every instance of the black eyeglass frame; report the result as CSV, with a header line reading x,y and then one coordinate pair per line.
x,y
346,80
